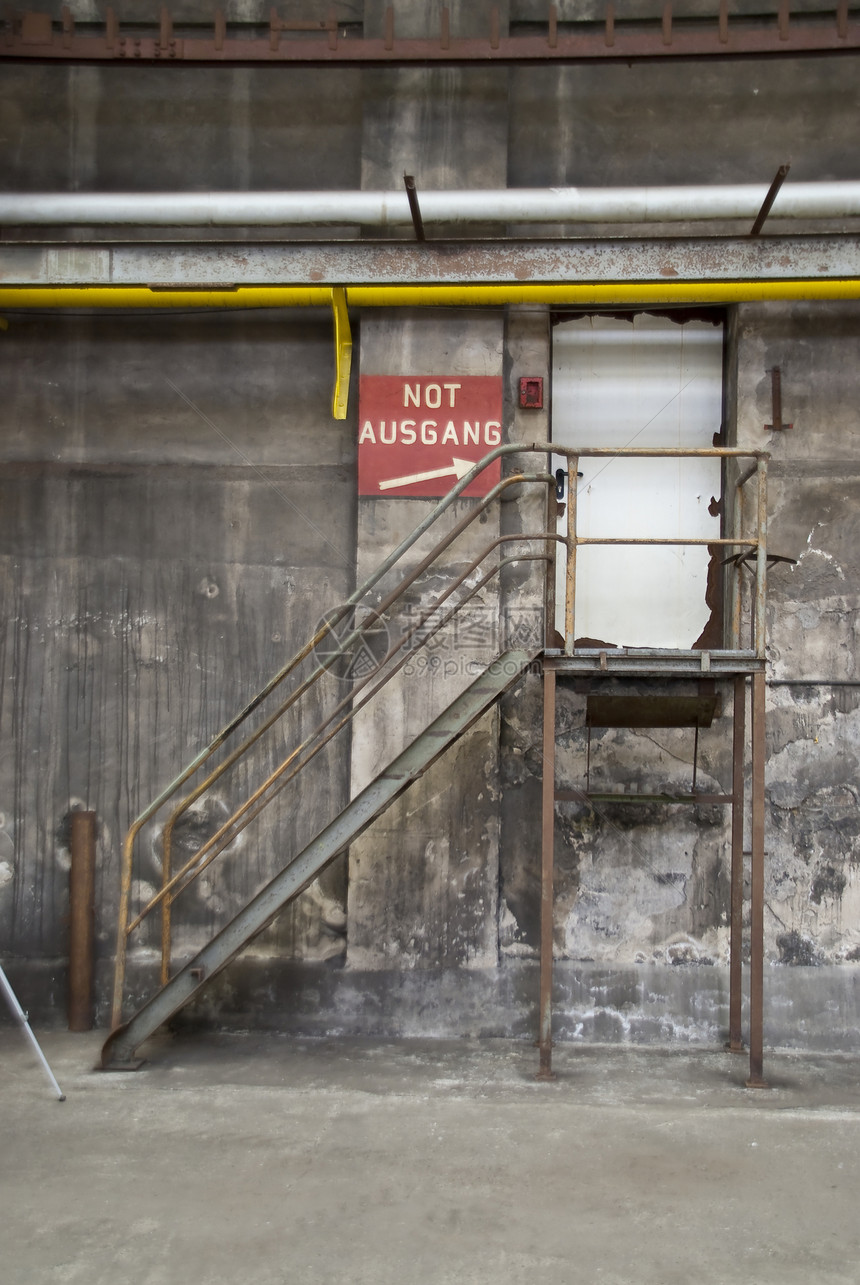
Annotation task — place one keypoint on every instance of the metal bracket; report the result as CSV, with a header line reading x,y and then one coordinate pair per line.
x,y
342,352
772,193
414,207
776,397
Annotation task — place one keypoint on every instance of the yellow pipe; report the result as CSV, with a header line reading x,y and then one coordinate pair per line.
x,y
602,293
143,297
594,294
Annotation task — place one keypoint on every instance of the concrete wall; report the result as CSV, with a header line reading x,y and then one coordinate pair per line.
x,y
162,556
179,508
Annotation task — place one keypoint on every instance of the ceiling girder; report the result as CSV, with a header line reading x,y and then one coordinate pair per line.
x,y
228,265
35,37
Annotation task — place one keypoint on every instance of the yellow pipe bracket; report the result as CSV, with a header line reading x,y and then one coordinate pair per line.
x,y
342,352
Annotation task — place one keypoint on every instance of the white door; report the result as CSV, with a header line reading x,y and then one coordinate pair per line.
x,y
646,381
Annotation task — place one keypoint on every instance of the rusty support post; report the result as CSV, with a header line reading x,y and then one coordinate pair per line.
x,y
756,1080
842,19
82,882
547,854
122,930
609,31
772,193
570,579
736,1043
737,585
723,22
761,563
776,401
166,915
552,27
551,524
414,207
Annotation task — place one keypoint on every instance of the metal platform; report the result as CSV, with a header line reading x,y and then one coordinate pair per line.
x,y
643,662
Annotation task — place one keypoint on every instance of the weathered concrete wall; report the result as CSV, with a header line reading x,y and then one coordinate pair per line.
x,y
160,557
813,890
423,880
423,883
724,121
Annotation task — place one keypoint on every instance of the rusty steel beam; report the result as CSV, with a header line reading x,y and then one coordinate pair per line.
x,y
194,264
34,37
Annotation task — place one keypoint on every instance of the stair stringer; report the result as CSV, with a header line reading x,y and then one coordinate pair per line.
x,y
358,814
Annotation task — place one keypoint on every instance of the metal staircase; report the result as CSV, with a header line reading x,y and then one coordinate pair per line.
x,y
397,622
382,630
347,826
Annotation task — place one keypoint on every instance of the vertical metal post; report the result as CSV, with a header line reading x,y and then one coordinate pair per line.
x,y
761,563
736,1043
570,593
546,888
166,919
82,877
737,570
550,568
122,931
756,1080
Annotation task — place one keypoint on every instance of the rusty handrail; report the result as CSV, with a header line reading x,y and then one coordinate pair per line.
x,y
346,700
225,835
299,692
127,859
229,830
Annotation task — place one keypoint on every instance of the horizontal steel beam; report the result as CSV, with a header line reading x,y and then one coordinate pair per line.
x,y
190,265
645,663
33,37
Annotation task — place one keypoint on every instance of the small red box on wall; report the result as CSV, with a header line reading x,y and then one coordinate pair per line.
x,y
531,392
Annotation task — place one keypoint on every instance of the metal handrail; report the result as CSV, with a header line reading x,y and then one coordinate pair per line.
x,y
127,860
342,704
279,779
282,776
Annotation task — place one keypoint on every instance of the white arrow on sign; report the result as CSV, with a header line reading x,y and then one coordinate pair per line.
x,y
458,468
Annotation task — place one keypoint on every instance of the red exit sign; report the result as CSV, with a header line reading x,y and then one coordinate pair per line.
x,y
419,434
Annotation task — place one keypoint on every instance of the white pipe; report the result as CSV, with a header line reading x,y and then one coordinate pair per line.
x,y
390,209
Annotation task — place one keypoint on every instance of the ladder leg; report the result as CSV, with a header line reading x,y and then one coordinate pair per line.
x,y
21,1016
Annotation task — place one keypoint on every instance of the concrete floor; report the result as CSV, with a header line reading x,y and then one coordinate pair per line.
x,y
261,1159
